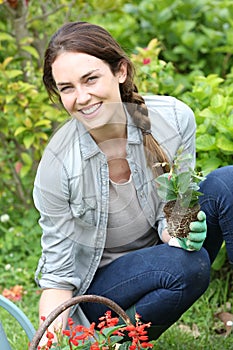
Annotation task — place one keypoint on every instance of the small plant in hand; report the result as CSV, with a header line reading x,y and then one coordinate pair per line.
x,y
179,189
106,337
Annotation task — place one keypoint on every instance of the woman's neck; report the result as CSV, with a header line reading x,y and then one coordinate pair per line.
x,y
108,133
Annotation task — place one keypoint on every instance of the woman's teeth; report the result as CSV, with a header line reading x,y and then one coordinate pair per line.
x,y
91,109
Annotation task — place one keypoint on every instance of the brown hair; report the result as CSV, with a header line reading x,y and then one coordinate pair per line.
x,y
96,41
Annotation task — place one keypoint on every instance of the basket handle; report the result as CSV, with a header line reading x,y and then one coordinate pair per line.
x,y
70,302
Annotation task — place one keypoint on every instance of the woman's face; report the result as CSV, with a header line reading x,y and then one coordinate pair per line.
x,y
88,89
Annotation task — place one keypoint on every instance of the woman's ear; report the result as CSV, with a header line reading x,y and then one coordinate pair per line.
x,y
122,73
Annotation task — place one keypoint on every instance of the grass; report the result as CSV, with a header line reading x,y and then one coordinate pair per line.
x,y
218,297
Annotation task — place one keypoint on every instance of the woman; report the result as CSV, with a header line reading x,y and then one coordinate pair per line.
x,y
102,220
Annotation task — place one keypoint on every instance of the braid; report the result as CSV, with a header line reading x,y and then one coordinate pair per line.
x,y
154,153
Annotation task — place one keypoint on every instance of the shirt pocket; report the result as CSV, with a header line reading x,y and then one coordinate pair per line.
x,y
86,211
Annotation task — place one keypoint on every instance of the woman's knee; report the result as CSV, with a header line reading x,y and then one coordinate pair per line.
x,y
218,181
197,273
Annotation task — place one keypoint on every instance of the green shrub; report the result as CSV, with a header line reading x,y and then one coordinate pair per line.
x,y
211,99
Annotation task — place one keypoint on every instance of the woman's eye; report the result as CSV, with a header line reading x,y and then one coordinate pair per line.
x,y
92,79
66,89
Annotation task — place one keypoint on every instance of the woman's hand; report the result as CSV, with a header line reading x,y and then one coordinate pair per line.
x,y
50,299
196,236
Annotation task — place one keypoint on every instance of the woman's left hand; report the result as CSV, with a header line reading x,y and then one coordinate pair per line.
x,y
196,236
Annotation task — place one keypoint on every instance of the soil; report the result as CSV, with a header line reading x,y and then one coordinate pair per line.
x,y
179,218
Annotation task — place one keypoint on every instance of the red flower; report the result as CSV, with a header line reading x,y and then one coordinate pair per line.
x,y
107,321
146,60
83,332
70,322
138,334
80,336
49,335
74,342
94,346
66,332
18,166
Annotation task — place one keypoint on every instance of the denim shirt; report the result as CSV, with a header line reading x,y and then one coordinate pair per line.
x,y
71,192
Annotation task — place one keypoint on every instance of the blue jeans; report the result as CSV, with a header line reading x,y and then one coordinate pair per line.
x,y
217,203
161,281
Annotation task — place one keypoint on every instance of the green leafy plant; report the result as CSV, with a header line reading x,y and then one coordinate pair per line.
x,y
180,185
179,188
211,100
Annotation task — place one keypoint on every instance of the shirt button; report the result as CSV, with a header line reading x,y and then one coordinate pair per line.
x,y
142,194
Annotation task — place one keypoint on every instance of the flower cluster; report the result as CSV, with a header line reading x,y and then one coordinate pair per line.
x,y
14,293
108,336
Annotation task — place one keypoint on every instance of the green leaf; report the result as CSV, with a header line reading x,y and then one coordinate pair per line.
x,y
183,181
125,345
224,144
42,135
165,187
210,164
207,113
205,142
164,180
220,259
19,130
115,339
109,330
218,102
165,194
14,73
26,158
25,170
189,38
211,33
42,122
28,140
6,37
31,50
9,98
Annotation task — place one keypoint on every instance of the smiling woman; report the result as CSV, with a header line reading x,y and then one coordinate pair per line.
x,y
104,231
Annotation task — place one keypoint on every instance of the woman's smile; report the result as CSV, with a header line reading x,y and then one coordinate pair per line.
x,y
90,111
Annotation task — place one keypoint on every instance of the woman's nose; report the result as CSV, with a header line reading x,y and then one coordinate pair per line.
x,y
82,96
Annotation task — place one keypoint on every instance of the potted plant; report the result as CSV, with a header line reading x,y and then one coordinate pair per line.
x,y
179,189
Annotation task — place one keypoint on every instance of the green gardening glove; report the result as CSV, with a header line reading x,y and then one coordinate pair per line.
x,y
196,236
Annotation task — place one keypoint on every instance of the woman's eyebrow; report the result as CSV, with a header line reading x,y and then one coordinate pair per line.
x,y
89,73
82,77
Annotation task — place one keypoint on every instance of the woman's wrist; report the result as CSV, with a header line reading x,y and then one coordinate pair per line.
x,y
165,236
